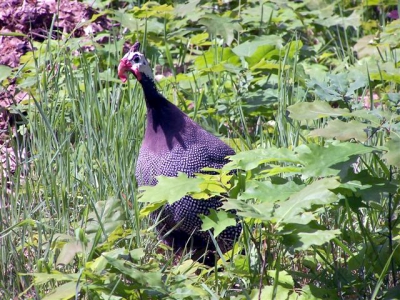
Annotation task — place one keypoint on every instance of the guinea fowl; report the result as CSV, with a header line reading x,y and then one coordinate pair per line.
x,y
174,143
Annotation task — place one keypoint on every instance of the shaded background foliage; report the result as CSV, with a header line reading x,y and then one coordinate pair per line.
x,y
305,91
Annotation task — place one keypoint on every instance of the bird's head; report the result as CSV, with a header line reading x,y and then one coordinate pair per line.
x,y
135,62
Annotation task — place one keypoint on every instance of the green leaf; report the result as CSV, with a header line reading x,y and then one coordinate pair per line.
x,y
42,278
215,56
283,278
222,26
302,237
64,292
314,110
171,189
265,191
107,215
151,207
330,159
366,186
68,252
393,147
5,72
318,193
256,211
219,220
248,160
148,279
343,131
248,48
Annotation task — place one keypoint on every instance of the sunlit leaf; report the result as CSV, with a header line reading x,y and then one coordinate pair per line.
x,y
248,160
330,159
343,131
217,220
64,291
314,110
4,72
170,189
68,252
222,26
265,191
302,237
393,154
317,193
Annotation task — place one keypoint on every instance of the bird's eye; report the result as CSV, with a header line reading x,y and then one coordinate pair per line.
x,y
136,59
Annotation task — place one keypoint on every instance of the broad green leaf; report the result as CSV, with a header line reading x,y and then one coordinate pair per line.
x,y
148,279
4,72
187,9
137,254
314,110
100,263
248,160
313,292
256,211
293,48
42,278
284,278
216,56
222,26
317,193
64,292
151,207
153,9
330,159
265,191
393,154
268,293
199,39
305,236
108,215
219,220
170,189
366,186
343,131
68,252
248,48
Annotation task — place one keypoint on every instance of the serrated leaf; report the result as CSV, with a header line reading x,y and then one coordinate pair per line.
x,y
248,160
256,211
171,189
141,279
317,193
217,220
302,237
151,207
222,26
330,159
314,110
265,191
368,187
343,131
393,154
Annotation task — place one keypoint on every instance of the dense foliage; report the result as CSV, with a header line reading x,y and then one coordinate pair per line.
x,y
305,91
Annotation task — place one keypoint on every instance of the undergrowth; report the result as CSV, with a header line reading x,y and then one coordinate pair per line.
x,y
315,128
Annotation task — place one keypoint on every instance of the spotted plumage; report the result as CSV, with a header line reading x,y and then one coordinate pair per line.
x,y
174,143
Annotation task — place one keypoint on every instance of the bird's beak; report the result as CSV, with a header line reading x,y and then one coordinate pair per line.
x,y
124,67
